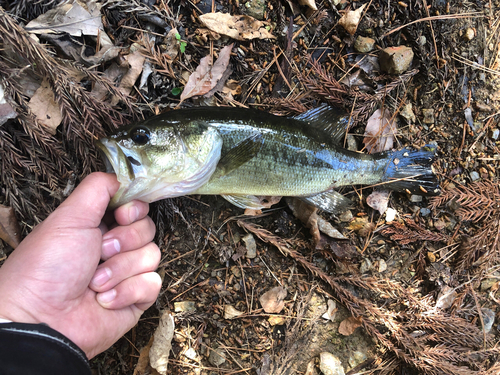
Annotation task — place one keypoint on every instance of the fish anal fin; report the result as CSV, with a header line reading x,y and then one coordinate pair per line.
x,y
240,154
330,120
244,201
329,201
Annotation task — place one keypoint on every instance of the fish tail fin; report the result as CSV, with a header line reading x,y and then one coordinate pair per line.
x,y
411,171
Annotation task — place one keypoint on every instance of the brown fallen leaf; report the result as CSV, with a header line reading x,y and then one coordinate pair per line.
x,y
207,77
378,200
349,325
135,62
171,45
362,226
162,343
45,108
143,367
350,19
380,132
112,73
237,27
273,300
10,231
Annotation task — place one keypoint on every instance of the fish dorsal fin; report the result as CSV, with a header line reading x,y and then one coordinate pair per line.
x,y
329,201
332,121
240,154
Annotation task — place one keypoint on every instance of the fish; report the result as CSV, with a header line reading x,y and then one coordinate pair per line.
x,y
243,154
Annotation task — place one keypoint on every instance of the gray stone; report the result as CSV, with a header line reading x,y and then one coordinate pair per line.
x,y
428,116
356,358
330,365
250,245
366,265
184,306
488,319
255,9
474,176
216,357
364,45
396,60
425,211
415,198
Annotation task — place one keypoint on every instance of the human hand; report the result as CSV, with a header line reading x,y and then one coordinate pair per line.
x,y
54,276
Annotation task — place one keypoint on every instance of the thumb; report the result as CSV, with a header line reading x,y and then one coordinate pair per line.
x,y
86,206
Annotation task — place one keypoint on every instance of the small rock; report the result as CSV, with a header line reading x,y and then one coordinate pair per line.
x,y
250,245
469,34
255,9
236,271
390,215
273,300
311,368
275,320
330,365
230,312
382,265
396,60
366,265
352,143
431,257
487,284
364,45
422,40
488,319
191,354
346,216
495,134
407,113
184,306
216,357
425,211
428,116
468,118
415,198
356,358
474,176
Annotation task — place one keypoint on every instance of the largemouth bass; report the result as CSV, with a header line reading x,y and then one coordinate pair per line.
x,y
243,153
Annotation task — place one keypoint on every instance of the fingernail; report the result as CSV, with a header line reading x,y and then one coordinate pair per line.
x,y
110,247
106,297
101,276
133,214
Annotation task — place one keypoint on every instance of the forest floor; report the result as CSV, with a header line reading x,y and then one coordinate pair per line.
x,y
412,288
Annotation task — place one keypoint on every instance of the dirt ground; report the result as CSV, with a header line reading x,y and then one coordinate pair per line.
x,y
413,295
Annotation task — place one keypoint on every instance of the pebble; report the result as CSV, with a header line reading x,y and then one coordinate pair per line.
x,y
255,9
474,176
469,34
428,116
366,265
390,215
488,319
356,358
382,265
364,45
230,312
422,40
487,284
495,134
216,357
396,60
276,320
330,365
425,211
250,245
346,217
332,309
184,306
416,198
407,113
431,257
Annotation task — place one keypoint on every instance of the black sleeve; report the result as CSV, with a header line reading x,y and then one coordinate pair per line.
x,y
37,349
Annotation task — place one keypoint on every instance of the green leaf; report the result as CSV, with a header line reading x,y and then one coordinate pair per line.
x,y
176,91
182,47
178,36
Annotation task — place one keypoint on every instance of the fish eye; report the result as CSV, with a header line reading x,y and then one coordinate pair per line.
x,y
140,136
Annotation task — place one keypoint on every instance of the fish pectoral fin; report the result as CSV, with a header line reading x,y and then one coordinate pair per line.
x,y
242,152
329,201
328,119
244,201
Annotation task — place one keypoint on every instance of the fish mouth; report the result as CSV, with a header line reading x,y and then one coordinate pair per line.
x,y
114,159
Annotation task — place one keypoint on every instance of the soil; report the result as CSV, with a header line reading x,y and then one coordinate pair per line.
x,y
375,275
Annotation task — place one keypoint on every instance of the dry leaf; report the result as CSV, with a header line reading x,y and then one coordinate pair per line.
x,y
378,200
171,45
135,61
206,77
273,300
67,18
349,325
230,312
310,3
362,226
6,110
350,19
100,92
142,367
162,343
237,27
45,108
10,231
380,131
